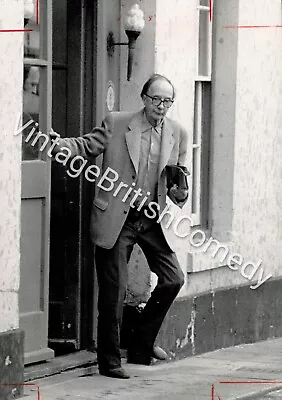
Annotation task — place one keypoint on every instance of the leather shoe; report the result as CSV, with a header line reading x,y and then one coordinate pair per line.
x,y
119,373
159,353
139,357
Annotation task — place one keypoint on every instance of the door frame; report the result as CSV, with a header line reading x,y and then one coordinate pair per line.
x,y
80,119
44,62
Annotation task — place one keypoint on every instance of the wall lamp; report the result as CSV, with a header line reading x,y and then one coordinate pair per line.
x,y
28,11
133,24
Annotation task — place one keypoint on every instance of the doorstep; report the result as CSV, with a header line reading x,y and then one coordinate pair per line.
x,y
59,364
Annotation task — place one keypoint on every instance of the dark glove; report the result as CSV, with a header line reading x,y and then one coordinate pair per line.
x,y
178,195
177,184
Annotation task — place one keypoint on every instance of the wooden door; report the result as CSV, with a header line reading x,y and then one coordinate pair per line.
x,y
73,114
35,212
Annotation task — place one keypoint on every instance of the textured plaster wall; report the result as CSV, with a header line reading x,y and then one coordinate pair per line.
x,y
257,227
144,61
108,14
224,84
246,197
176,49
11,49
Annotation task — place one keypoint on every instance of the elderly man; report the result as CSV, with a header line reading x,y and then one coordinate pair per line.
x,y
136,147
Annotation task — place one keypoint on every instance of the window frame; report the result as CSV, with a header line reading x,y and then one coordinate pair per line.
x,y
202,118
44,62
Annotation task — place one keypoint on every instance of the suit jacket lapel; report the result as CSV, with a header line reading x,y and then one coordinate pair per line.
x,y
166,144
133,139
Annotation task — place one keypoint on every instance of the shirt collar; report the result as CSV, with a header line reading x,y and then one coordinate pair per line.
x,y
146,125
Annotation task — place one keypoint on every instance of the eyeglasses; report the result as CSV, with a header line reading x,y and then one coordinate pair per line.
x,y
157,101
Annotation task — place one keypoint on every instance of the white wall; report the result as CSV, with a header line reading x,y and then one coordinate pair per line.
x,y
246,196
144,61
257,222
11,67
176,50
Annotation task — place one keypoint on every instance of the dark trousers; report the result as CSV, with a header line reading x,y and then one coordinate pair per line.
x,y
111,265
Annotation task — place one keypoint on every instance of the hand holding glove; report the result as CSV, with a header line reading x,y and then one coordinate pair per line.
x,y
53,134
177,184
178,195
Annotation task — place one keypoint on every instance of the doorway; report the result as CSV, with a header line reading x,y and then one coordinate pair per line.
x,y
57,278
73,114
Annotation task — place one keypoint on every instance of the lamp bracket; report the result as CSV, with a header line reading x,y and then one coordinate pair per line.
x,y
111,44
132,37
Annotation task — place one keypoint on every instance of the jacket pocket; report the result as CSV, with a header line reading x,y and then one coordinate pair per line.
x,y
100,203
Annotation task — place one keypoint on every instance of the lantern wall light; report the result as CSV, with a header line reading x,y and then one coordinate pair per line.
x,y
133,24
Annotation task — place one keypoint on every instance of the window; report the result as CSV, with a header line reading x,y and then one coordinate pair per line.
x,y
202,117
37,75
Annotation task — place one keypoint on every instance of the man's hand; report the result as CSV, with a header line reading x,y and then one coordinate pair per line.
x,y
53,134
178,195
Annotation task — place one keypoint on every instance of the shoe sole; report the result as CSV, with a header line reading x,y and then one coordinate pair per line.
x,y
110,374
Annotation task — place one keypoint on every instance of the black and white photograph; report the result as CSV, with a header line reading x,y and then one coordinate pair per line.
x,y
141,199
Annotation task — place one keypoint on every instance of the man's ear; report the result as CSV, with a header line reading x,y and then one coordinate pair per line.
x,y
143,98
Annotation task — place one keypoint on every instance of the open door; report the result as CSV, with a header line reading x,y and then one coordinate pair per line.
x,y
73,114
36,181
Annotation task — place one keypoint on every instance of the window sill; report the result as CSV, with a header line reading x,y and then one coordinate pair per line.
x,y
200,260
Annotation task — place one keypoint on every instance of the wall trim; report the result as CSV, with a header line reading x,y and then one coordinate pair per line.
x,y
223,318
12,365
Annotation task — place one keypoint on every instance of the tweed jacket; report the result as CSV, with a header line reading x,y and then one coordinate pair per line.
x,y
121,150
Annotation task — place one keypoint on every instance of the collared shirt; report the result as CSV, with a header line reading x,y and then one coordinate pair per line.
x,y
150,150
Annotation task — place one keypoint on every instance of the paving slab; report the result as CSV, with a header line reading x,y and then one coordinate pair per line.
x,y
243,372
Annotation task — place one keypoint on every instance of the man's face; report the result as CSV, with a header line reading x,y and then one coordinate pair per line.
x,y
160,89
32,82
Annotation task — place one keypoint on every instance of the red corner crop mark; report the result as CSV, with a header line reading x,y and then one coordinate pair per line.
x,y
251,26
24,384
25,30
249,382
16,30
213,394
210,10
37,12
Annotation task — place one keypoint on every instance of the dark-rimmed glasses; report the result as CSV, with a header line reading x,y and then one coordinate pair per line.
x,y
156,101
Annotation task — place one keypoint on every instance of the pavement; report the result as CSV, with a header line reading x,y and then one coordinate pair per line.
x,y
251,371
